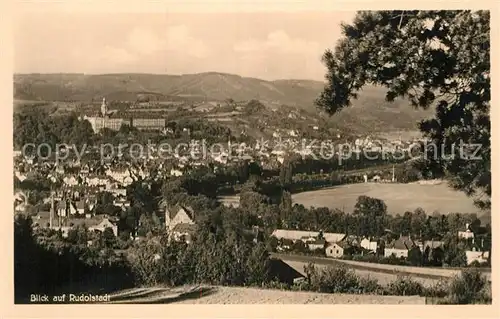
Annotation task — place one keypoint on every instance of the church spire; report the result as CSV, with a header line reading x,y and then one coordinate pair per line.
x,y
104,107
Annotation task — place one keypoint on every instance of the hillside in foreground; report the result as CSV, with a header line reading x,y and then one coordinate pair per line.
x,y
369,113
238,295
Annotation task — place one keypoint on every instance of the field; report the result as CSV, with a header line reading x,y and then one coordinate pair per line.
x,y
398,197
238,295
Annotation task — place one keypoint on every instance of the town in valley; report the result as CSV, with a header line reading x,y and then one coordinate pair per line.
x,y
153,188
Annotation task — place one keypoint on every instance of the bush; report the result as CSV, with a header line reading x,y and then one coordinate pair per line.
x,y
336,280
440,289
404,286
469,287
477,264
300,286
368,285
459,259
276,284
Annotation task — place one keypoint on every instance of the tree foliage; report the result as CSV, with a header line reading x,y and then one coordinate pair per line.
x,y
36,125
432,58
371,215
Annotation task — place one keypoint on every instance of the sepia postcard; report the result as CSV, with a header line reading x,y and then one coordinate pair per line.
x,y
250,154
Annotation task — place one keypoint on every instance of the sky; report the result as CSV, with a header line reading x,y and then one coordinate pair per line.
x,y
266,45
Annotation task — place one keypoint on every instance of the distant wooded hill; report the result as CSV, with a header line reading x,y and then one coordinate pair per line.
x,y
370,112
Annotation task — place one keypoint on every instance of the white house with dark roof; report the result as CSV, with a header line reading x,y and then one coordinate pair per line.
x,y
466,234
399,247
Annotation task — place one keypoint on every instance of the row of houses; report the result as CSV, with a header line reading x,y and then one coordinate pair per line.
x,y
97,223
179,221
337,245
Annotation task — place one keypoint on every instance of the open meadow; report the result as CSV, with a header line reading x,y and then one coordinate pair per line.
x,y
398,197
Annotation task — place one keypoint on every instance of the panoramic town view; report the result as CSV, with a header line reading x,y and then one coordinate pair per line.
x,y
319,157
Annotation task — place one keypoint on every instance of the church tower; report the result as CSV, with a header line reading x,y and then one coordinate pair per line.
x,y
104,107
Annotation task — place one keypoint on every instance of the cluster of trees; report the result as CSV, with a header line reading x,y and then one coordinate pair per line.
x,y
310,165
44,261
253,107
200,129
36,125
221,252
37,187
317,173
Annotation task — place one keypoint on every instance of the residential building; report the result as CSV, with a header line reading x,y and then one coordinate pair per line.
x,y
467,234
20,176
118,192
118,174
179,222
368,244
121,202
336,250
70,180
127,180
295,235
432,244
479,256
183,232
316,244
62,208
178,215
175,172
72,208
399,247
105,223
433,249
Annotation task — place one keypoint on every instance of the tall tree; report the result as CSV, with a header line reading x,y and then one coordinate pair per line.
x,y
371,216
433,58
